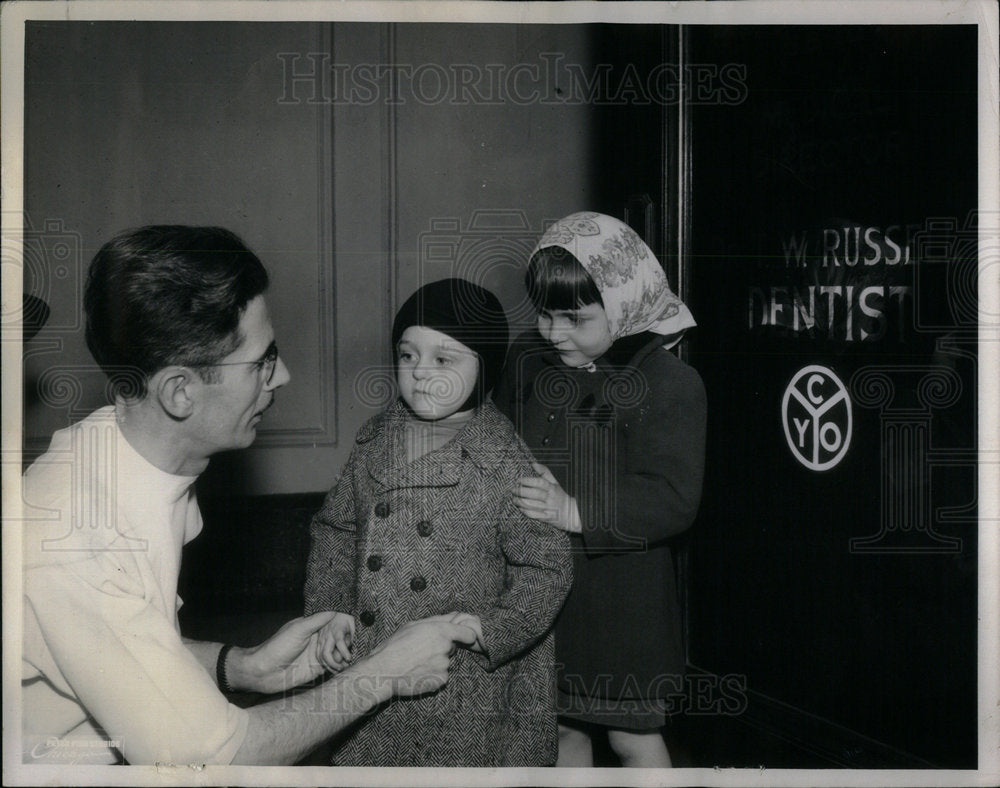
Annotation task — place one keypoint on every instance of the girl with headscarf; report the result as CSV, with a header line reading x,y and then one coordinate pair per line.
x,y
423,522
617,426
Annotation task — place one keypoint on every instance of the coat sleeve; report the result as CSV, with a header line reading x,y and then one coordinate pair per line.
x,y
330,570
539,572
650,488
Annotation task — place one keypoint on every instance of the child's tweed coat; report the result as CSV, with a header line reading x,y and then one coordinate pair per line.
x,y
395,542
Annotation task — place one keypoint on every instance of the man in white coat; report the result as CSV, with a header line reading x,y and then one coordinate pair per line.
x,y
176,317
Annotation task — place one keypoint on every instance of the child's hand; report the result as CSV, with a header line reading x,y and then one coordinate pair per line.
x,y
543,498
335,643
473,623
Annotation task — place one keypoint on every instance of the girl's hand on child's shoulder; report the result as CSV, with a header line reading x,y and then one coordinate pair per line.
x,y
543,498
335,643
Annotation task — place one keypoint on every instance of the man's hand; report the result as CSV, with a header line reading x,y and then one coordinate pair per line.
x,y
283,661
415,660
543,498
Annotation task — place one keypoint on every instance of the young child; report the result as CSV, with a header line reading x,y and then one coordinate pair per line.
x,y
423,522
617,424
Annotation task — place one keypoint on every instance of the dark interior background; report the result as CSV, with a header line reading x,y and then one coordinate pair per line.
x,y
870,126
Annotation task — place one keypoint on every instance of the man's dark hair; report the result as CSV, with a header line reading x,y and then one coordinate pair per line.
x,y
167,294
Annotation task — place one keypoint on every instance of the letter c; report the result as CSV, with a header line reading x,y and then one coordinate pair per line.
x,y
813,398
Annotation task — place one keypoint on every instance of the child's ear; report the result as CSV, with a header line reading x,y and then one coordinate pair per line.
x,y
176,390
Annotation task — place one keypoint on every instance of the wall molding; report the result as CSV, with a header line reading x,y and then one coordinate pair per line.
x,y
390,191
326,432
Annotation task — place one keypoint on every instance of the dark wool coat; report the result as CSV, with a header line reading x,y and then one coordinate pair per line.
x,y
627,441
396,541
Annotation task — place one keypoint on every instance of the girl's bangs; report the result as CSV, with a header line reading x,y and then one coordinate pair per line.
x,y
556,281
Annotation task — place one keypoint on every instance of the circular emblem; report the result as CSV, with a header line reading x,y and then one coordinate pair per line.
x,y
816,415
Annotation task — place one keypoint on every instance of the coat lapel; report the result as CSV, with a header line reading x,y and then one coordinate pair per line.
x,y
384,456
382,449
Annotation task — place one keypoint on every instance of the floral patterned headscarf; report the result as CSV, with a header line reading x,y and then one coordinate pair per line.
x,y
632,284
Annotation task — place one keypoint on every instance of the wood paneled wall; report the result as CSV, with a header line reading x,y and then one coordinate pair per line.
x,y
351,199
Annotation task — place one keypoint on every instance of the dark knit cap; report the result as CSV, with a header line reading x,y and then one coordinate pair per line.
x,y
467,313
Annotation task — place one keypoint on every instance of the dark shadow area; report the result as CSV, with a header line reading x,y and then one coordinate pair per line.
x,y
845,596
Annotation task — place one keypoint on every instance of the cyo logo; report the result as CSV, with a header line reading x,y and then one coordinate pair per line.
x,y
816,414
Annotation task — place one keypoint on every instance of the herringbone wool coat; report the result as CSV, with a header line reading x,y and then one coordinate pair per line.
x,y
397,541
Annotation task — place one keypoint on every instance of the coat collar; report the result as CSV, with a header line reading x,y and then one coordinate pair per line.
x,y
627,352
476,441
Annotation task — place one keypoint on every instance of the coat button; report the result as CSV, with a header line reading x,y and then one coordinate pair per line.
x,y
425,528
382,509
374,562
551,417
545,441
367,618
418,584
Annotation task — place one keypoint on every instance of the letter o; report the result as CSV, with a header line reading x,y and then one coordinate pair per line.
x,y
837,437
439,74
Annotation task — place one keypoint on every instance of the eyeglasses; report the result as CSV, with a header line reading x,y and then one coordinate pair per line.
x,y
266,364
